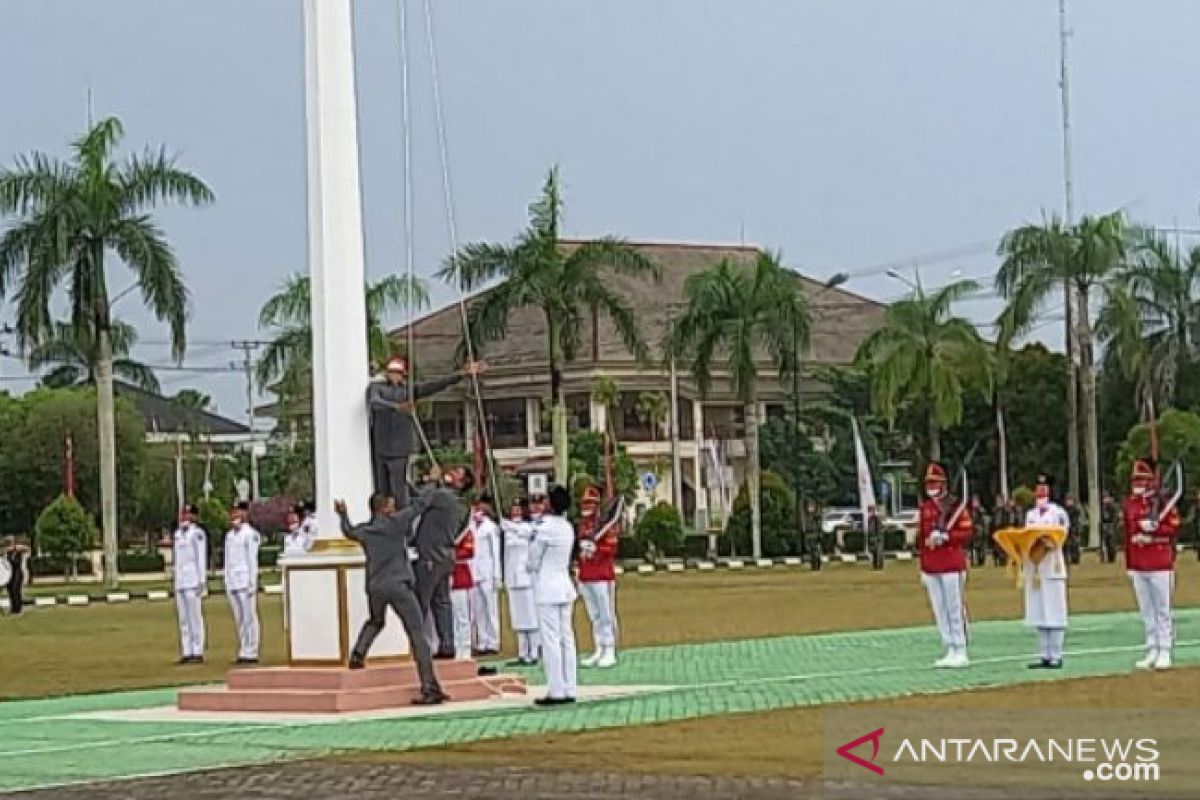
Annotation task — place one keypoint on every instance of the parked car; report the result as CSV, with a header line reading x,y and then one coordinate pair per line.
x,y
844,518
909,519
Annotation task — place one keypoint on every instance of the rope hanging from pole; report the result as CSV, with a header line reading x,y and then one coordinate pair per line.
x,y
452,229
409,256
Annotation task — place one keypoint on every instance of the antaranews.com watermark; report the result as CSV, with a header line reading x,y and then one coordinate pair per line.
x,y
1017,753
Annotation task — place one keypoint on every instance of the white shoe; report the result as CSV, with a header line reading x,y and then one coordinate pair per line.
x,y
1164,660
1150,659
957,659
591,660
608,658
945,660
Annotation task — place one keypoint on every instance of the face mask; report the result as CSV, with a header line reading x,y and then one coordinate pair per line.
x,y
1041,501
1138,491
933,494
478,515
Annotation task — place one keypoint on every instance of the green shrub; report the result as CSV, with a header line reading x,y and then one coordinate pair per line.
x,y
660,530
630,549
269,556
894,539
779,534
140,562
44,566
1023,497
695,545
65,530
853,542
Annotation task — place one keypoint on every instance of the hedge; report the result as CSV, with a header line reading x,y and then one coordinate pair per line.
x,y
139,561
53,566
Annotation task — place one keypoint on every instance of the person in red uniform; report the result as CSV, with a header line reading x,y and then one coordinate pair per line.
x,y
940,541
598,578
461,584
1150,532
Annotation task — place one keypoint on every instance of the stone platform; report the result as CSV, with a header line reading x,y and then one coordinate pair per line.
x,y
334,690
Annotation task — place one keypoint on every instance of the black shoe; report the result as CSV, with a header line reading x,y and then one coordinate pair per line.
x,y
1043,664
443,656
486,670
553,701
357,662
516,662
187,660
430,699
1054,664
243,662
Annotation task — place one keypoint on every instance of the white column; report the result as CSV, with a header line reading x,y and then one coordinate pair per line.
x,y
324,589
340,425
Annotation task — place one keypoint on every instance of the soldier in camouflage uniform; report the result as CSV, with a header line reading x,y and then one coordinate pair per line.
x,y
1071,548
981,534
1110,528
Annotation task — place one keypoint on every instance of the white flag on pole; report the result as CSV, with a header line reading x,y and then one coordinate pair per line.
x,y
866,489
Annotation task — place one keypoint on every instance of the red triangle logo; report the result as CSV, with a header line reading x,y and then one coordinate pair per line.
x,y
873,737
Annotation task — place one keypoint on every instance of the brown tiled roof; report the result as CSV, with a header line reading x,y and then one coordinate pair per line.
x,y
841,319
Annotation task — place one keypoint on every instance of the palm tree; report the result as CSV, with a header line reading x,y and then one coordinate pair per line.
x,y
1040,259
1150,321
193,398
288,357
72,356
69,216
564,284
744,315
652,409
926,356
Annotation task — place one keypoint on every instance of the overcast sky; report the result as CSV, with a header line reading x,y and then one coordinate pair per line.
x,y
849,134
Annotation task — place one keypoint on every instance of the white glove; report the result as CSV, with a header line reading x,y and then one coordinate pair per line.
x,y
587,548
1142,539
938,538
1149,526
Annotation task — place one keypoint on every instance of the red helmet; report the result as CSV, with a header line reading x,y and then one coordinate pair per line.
x,y
935,473
1142,471
591,497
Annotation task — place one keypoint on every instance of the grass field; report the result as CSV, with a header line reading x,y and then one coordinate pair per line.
x,y
785,744
103,647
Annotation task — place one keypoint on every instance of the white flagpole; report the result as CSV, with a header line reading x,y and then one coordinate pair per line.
x,y
866,489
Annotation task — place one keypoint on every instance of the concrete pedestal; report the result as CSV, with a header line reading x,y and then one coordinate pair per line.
x,y
325,602
316,690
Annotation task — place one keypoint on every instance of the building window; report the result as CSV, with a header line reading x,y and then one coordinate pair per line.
x,y
629,423
687,427
506,422
579,417
724,422
445,424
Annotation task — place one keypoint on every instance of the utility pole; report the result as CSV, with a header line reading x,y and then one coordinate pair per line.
x,y
247,348
1072,346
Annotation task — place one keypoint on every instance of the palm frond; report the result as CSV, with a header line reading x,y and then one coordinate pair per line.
x,y
143,247
136,373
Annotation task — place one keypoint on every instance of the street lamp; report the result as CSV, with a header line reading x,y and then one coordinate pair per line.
x,y
833,282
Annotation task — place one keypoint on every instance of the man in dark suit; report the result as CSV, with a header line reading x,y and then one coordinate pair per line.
x,y
442,518
390,582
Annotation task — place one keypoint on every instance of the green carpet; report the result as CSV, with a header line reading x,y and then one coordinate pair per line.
x,y
45,744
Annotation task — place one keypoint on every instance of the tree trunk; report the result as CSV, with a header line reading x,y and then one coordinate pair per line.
x,y
1089,422
1072,392
1002,443
558,411
753,476
106,427
935,439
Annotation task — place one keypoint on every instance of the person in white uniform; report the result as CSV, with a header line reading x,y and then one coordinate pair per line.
x,y
522,611
191,572
554,593
241,581
1046,581
485,569
302,531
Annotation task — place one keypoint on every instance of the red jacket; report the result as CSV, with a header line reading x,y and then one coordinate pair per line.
x,y
601,565
464,551
950,556
1160,555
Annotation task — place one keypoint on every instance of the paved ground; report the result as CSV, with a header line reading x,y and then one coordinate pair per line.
x,y
331,780
48,743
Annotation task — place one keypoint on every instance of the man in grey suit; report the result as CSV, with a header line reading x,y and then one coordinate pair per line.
x,y
390,582
393,430
443,518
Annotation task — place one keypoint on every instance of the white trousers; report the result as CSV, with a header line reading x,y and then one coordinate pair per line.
x,y
1051,640
486,603
946,591
558,648
460,606
244,603
1153,591
600,600
191,622
528,643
